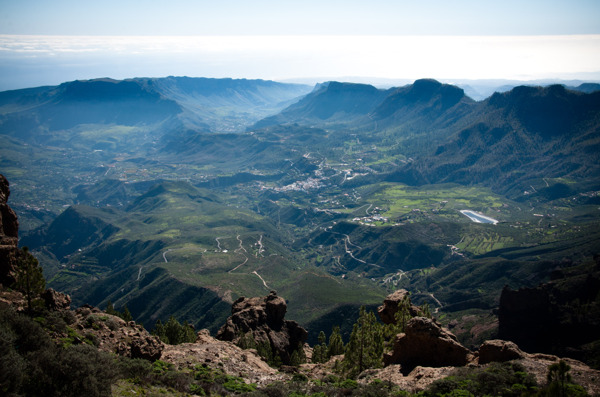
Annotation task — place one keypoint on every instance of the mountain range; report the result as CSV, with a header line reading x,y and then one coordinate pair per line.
x,y
178,195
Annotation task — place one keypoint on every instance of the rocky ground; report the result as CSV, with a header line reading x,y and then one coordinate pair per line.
x,y
223,355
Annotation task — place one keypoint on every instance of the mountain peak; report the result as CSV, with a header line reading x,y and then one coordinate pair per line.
x,y
547,111
426,94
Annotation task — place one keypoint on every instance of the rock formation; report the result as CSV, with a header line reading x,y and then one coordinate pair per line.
x,y
388,310
113,334
55,300
264,317
425,343
560,317
497,350
9,236
417,380
224,355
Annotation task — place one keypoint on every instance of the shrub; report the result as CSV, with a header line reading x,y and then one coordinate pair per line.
x,y
505,379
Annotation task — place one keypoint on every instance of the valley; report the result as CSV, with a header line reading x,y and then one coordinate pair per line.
x,y
333,196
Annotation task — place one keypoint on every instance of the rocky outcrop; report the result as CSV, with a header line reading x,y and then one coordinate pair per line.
x,y
9,236
583,375
416,381
55,300
561,317
113,334
223,355
387,312
264,317
497,350
425,343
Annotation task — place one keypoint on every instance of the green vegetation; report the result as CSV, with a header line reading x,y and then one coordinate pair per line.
x,y
560,383
365,347
498,379
174,333
29,277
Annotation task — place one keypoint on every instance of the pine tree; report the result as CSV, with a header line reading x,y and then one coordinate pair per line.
x,y
110,309
402,316
298,356
189,333
336,344
159,330
365,348
126,315
320,350
29,277
173,331
558,378
425,310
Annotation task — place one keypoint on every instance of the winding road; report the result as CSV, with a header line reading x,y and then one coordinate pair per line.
x,y
240,265
261,248
241,247
261,279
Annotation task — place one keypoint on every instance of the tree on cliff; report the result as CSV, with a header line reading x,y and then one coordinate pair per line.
x,y
29,277
365,348
560,383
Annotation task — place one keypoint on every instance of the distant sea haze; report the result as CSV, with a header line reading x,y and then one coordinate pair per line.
x,y
29,61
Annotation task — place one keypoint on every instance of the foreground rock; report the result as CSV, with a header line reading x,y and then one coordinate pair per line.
x,y
9,236
264,317
113,334
537,365
497,350
55,300
417,380
425,343
223,355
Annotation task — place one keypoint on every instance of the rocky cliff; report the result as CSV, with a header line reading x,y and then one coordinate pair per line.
x,y
9,236
264,318
559,317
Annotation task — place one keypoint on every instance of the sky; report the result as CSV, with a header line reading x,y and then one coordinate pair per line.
x,y
48,42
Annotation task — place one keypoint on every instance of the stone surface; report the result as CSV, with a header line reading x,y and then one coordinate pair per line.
x,y
113,334
264,317
55,300
425,343
537,365
388,310
223,355
9,236
499,351
560,317
417,380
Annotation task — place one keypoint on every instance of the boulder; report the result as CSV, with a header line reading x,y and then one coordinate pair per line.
x,y
9,236
499,351
425,343
416,381
114,335
147,347
55,300
264,317
216,354
388,310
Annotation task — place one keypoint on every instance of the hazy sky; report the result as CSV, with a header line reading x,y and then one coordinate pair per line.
x,y
48,42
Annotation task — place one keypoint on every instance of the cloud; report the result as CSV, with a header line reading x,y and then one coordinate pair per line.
x,y
284,57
